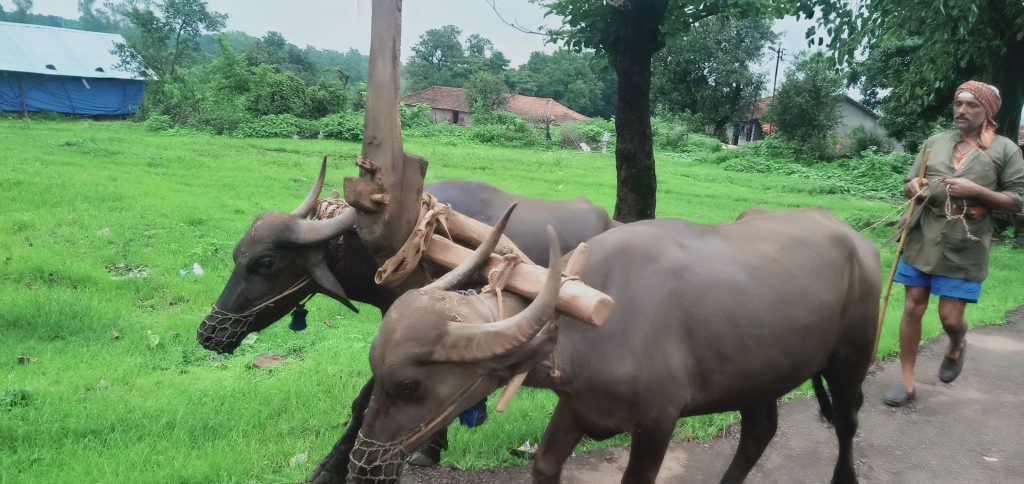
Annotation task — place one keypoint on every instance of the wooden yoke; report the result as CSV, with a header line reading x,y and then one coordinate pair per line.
x,y
387,191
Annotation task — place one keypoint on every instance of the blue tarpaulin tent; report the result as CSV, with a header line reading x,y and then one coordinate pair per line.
x,y
63,70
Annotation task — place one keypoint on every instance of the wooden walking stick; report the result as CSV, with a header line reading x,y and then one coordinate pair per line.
x,y
896,260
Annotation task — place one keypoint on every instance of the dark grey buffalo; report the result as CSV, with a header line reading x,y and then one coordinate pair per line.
x,y
707,318
283,258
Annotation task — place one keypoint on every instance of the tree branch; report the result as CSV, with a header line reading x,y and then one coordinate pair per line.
x,y
515,23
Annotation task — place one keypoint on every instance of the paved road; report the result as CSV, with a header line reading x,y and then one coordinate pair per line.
x,y
970,431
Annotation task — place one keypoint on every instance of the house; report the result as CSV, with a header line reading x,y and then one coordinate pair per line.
x,y
852,115
65,71
450,104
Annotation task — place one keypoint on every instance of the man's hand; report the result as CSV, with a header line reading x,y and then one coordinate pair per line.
x,y
962,187
915,188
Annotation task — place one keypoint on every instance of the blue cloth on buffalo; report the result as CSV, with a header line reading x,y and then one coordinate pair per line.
x,y
475,415
942,286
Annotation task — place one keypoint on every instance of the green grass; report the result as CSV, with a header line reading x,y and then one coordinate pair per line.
x,y
119,391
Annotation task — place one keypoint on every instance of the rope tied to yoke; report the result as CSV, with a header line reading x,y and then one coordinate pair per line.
x,y
398,267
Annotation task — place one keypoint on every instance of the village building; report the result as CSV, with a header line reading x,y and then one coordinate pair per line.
x,y
450,105
852,115
65,71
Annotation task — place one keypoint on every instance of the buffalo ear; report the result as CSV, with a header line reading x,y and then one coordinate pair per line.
x,y
329,285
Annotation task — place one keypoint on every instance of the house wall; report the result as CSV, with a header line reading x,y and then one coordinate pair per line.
x,y
853,116
70,95
448,116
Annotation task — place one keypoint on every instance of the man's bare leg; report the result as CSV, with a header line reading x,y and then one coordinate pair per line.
x,y
910,331
951,313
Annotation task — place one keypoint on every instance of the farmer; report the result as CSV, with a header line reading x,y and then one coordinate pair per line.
x,y
970,173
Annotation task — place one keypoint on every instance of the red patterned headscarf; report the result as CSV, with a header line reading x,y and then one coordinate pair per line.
x,y
989,98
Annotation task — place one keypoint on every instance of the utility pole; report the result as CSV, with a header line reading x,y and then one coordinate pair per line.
x,y
778,57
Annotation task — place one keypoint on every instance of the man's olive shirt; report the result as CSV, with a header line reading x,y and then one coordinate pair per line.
x,y
941,246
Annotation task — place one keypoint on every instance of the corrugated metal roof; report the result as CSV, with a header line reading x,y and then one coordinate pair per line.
x,y
31,48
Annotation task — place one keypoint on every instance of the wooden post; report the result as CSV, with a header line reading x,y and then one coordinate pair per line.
x,y
390,183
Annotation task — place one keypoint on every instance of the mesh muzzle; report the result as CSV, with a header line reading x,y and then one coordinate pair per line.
x,y
222,331
376,462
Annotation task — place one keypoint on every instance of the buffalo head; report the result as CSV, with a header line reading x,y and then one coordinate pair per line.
x,y
438,352
281,259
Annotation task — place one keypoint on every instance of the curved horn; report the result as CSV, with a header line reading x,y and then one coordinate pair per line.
x,y
470,266
307,204
467,342
329,285
316,231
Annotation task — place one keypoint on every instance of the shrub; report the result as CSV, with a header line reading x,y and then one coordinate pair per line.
x,y
860,139
414,117
278,126
572,133
326,97
346,126
276,93
158,122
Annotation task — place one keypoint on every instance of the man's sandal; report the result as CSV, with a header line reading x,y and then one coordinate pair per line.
x,y
951,367
899,396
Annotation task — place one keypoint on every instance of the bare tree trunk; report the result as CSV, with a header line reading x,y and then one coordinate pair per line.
x,y
637,181
1010,81
390,183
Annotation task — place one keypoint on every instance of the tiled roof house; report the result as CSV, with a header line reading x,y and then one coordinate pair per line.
x,y
450,104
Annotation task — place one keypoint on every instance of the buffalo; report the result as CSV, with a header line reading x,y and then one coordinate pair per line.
x,y
283,258
707,318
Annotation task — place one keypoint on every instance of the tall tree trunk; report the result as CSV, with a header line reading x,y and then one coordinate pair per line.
x,y
639,25
1009,79
390,183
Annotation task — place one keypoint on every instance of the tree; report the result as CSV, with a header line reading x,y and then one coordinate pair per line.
x,y
630,32
571,78
965,38
96,19
22,9
479,46
805,108
435,58
488,91
274,50
163,41
707,70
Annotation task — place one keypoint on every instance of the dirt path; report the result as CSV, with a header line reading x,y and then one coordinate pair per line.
x,y
969,431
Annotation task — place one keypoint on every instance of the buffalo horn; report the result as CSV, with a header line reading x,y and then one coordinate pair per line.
x,y
470,266
307,204
316,231
329,285
468,342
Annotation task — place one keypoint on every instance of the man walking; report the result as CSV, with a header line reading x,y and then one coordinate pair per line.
x,y
971,172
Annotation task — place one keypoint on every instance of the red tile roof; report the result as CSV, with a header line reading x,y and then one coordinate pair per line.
x,y
527,107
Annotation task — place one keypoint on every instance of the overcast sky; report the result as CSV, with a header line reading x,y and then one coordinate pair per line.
x,y
342,24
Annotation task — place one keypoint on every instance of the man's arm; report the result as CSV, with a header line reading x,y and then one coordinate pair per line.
x,y
997,201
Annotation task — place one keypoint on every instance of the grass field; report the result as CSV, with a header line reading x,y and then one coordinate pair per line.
x,y
98,221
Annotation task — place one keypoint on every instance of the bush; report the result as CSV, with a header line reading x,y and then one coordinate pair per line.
x,y
414,117
344,126
572,133
326,97
278,126
276,93
861,139
158,122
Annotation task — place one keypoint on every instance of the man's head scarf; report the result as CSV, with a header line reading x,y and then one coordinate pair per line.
x,y
989,98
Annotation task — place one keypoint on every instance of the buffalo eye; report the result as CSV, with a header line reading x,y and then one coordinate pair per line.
x,y
264,264
408,388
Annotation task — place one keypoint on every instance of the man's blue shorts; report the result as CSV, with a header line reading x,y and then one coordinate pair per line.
x,y
942,286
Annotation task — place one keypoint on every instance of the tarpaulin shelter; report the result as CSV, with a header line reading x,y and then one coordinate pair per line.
x,y
62,70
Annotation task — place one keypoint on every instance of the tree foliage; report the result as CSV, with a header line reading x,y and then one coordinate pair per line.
x,y
440,58
163,39
806,106
707,70
629,33
937,44
487,91
575,79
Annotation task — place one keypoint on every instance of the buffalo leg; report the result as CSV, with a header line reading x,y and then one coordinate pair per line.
x,y
846,400
560,438
647,451
757,427
431,454
334,467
